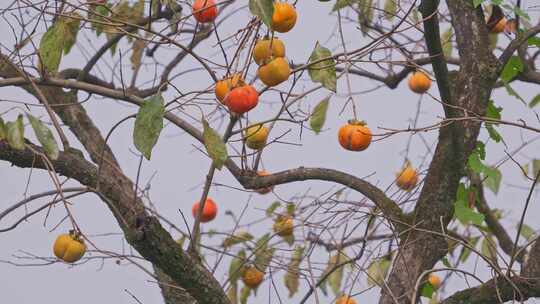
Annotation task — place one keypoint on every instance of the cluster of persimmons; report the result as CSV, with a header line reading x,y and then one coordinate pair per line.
x,y
269,53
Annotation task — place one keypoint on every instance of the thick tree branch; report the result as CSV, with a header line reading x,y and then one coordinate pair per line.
x,y
248,180
432,35
497,290
390,209
67,107
470,91
142,231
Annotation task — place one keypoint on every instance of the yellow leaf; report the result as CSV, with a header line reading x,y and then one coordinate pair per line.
x,y
293,271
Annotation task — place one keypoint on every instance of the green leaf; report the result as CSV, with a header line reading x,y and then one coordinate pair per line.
x,y
263,254
489,248
45,137
493,133
535,101
318,117
475,163
148,125
390,8
493,111
50,49
342,4
527,232
365,15
446,41
235,268
480,148
97,15
3,129
512,92
263,9
291,208
462,193
513,67
324,71
536,166
466,215
377,271
293,271
446,262
61,36
244,294
493,178
336,277
466,252
214,146
70,28
270,210
238,238
534,41
15,133
427,290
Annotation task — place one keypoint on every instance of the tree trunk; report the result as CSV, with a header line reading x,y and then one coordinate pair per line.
x,y
470,89
172,294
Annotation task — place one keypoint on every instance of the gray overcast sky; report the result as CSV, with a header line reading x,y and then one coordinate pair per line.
x,y
180,170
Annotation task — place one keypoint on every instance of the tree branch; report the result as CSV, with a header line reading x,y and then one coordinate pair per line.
x,y
492,222
247,179
142,231
432,35
514,45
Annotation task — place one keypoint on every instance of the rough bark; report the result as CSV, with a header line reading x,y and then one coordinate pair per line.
x,y
172,294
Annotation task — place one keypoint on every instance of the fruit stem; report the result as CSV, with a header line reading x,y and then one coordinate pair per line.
x,y
357,122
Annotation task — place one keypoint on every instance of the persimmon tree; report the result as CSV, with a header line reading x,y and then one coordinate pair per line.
x,y
408,238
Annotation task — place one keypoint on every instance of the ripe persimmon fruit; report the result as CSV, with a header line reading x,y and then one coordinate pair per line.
x,y
419,82
284,17
434,280
256,137
274,72
354,136
224,86
407,178
204,11
284,226
252,277
242,99
266,49
499,27
209,211
345,300
69,247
